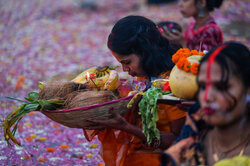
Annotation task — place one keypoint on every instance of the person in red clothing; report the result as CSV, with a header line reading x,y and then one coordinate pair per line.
x,y
203,33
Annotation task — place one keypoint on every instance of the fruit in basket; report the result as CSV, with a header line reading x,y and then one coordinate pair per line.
x,y
113,81
81,78
104,78
87,98
183,76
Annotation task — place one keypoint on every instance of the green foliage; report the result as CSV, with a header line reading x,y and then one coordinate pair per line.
x,y
148,111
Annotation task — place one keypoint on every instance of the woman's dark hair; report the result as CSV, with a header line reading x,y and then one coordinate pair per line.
x,y
139,35
233,58
212,4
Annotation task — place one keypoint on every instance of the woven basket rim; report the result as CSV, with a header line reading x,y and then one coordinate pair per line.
x,y
88,107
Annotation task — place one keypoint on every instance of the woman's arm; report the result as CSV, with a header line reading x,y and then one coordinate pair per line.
x,y
120,123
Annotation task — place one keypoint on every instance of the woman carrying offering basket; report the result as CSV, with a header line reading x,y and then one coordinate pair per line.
x,y
143,52
217,130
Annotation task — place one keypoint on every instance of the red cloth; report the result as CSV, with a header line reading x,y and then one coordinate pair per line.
x,y
209,34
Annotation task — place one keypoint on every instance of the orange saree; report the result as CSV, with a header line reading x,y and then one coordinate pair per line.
x,y
123,149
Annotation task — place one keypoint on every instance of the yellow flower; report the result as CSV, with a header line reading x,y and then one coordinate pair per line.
x,y
93,146
89,155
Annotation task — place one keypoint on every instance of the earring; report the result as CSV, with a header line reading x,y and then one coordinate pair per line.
x,y
201,12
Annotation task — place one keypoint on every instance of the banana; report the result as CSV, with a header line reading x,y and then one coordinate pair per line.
x,y
113,81
81,78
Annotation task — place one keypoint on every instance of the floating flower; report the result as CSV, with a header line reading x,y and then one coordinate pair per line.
x,y
93,146
50,149
29,138
41,159
89,155
33,136
64,146
42,139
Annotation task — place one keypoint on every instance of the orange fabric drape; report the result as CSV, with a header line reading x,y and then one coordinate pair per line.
x,y
123,149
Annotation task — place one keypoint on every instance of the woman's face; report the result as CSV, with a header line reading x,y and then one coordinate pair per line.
x,y
220,106
131,64
187,8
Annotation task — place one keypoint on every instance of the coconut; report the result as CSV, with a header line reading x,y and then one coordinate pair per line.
x,y
183,84
88,98
57,89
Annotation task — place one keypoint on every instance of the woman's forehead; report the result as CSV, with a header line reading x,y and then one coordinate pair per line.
x,y
122,57
214,71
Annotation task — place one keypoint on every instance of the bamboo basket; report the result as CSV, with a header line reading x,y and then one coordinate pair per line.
x,y
76,117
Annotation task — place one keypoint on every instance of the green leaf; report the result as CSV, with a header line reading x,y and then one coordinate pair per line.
x,y
15,128
33,96
31,106
11,98
28,99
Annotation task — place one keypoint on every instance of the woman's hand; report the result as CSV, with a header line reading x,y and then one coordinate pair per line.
x,y
185,105
175,150
117,122
176,36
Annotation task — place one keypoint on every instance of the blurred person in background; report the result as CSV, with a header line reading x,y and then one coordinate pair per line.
x,y
203,33
217,130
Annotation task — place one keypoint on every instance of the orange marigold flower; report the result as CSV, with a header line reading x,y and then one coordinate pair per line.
x,y
194,68
50,149
29,139
175,58
181,63
202,54
194,52
186,54
64,146
187,66
55,125
41,159
186,50
78,141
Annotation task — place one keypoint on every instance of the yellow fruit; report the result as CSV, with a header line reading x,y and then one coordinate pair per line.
x,y
81,78
113,81
183,84
99,82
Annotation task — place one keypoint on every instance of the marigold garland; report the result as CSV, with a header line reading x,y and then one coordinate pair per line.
x,y
181,61
194,68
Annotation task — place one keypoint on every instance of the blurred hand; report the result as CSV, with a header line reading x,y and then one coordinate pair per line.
x,y
175,150
185,105
177,36
117,122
